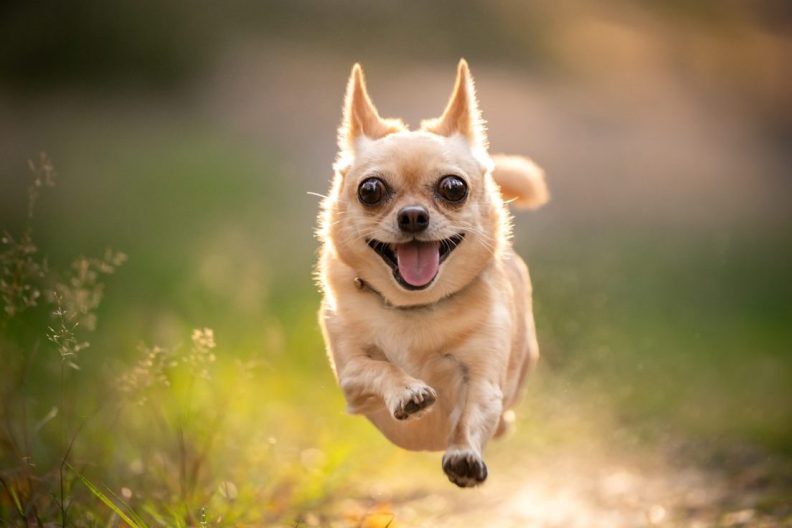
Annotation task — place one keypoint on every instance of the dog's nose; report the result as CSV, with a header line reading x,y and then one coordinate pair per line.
x,y
413,218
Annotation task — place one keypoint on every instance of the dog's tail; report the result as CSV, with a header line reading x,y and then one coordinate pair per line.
x,y
521,181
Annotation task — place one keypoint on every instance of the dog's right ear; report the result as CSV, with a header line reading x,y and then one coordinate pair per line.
x,y
361,119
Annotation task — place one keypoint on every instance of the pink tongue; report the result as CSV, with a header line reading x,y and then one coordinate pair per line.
x,y
418,261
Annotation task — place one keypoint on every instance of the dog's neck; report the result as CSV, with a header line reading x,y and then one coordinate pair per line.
x,y
365,287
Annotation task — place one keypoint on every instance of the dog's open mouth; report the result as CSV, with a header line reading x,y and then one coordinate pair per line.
x,y
415,264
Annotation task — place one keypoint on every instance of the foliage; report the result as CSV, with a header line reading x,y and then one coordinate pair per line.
x,y
69,302
171,436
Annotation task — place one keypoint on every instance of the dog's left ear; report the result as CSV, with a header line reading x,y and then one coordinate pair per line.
x,y
462,114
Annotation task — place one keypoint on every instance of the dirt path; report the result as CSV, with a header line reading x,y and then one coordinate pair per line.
x,y
586,488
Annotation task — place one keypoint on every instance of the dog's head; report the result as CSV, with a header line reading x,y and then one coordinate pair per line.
x,y
415,214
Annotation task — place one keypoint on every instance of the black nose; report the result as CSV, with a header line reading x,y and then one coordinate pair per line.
x,y
413,218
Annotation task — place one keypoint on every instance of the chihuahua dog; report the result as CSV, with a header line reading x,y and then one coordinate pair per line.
x,y
427,313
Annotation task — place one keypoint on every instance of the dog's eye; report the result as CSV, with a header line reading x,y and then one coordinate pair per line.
x,y
452,188
371,191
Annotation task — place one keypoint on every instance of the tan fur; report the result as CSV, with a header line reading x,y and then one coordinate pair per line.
x,y
360,115
462,114
521,181
468,339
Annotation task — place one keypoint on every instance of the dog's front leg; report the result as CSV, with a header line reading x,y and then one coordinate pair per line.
x,y
481,406
368,380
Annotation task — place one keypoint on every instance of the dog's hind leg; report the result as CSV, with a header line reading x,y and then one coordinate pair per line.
x,y
505,424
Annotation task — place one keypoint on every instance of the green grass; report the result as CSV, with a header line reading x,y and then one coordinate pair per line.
x,y
683,333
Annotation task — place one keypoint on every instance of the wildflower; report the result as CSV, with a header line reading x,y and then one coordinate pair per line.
x,y
201,356
150,371
82,292
63,334
43,172
21,274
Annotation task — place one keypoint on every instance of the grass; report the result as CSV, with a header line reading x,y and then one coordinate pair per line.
x,y
675,334
684,333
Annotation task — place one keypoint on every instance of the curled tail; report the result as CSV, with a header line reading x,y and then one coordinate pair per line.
x,y
521,181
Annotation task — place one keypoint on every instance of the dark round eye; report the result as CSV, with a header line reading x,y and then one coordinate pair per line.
x,y
371,191
452,188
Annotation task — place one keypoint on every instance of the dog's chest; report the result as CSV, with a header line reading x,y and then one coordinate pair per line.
x,y
418,339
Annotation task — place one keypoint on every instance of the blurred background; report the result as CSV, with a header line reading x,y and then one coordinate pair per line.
x,y
189,135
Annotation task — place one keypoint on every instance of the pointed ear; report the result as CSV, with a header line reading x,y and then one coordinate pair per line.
x,y
462,113
361,118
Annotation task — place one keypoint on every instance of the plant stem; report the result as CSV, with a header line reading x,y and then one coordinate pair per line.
x,y
65,448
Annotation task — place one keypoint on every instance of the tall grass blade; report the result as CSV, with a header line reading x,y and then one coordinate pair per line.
x,y
14,497
154,514
108,502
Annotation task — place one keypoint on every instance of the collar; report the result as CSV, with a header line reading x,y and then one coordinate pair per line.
x,y
364,286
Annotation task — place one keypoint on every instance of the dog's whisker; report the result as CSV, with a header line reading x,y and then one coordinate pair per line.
x,y
484,239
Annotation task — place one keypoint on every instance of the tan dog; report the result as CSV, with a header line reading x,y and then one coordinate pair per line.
x,y
427,310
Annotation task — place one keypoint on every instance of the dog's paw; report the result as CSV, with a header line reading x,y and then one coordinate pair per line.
x,y
413,400
465,468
